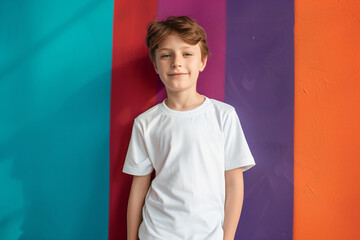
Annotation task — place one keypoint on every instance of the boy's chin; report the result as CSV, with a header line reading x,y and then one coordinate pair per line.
x,y
178,89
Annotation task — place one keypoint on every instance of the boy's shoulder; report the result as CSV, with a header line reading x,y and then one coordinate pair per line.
x,y
222,107
149,114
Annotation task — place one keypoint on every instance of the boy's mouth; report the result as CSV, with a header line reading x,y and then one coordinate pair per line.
x,y
177,74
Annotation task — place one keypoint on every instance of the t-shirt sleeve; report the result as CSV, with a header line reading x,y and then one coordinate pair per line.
x,y
137,161
237,152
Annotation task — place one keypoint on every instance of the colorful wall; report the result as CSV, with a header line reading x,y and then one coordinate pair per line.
x,y
73,75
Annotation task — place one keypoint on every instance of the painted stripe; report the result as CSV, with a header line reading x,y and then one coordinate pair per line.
x,y
327,117
133,90
211,16
55,72
259,83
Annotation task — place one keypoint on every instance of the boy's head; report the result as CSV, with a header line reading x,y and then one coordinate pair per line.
x,y
178,50
184,27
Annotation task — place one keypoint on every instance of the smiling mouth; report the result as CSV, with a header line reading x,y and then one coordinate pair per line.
x,y
177,74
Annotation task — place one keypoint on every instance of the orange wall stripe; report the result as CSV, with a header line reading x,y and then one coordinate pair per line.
x,y
327,120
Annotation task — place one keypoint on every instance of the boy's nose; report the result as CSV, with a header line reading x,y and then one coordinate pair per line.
x,y
177,62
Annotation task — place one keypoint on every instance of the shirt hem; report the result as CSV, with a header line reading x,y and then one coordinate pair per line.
x,y
245,166
132,171
143,236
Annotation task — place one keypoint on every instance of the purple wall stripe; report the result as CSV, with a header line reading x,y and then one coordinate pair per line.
x,y
260,84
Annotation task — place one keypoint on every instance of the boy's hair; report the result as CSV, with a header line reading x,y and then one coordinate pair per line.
x,y
185,27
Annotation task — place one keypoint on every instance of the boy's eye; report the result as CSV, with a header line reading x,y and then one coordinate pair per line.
x,y
169,55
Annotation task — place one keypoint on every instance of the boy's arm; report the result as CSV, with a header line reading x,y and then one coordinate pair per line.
x,y
234,196
139,188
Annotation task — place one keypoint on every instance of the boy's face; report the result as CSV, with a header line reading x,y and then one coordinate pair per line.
x,y
178,64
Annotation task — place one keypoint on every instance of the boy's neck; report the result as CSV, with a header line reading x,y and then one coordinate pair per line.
x,y
184,101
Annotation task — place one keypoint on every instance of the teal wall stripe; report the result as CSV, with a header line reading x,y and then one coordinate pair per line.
x,y
55,75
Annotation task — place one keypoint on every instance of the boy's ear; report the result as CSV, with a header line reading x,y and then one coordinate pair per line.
x,y
203,64
156,70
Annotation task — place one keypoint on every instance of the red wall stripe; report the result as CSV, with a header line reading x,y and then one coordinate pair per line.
x,y
133,90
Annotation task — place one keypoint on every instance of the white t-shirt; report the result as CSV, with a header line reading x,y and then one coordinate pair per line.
x,y
189,150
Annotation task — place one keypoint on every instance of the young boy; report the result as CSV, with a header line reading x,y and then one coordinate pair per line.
x,y
195,145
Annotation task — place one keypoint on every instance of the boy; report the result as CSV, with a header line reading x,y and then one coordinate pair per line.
x,y
195,145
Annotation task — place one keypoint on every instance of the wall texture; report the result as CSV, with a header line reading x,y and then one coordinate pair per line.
x,y
327,120
55,75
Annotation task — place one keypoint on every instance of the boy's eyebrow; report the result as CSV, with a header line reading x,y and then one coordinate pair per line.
x,y
171,49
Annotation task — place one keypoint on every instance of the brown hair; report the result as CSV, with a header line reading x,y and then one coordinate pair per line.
x,y
185,27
